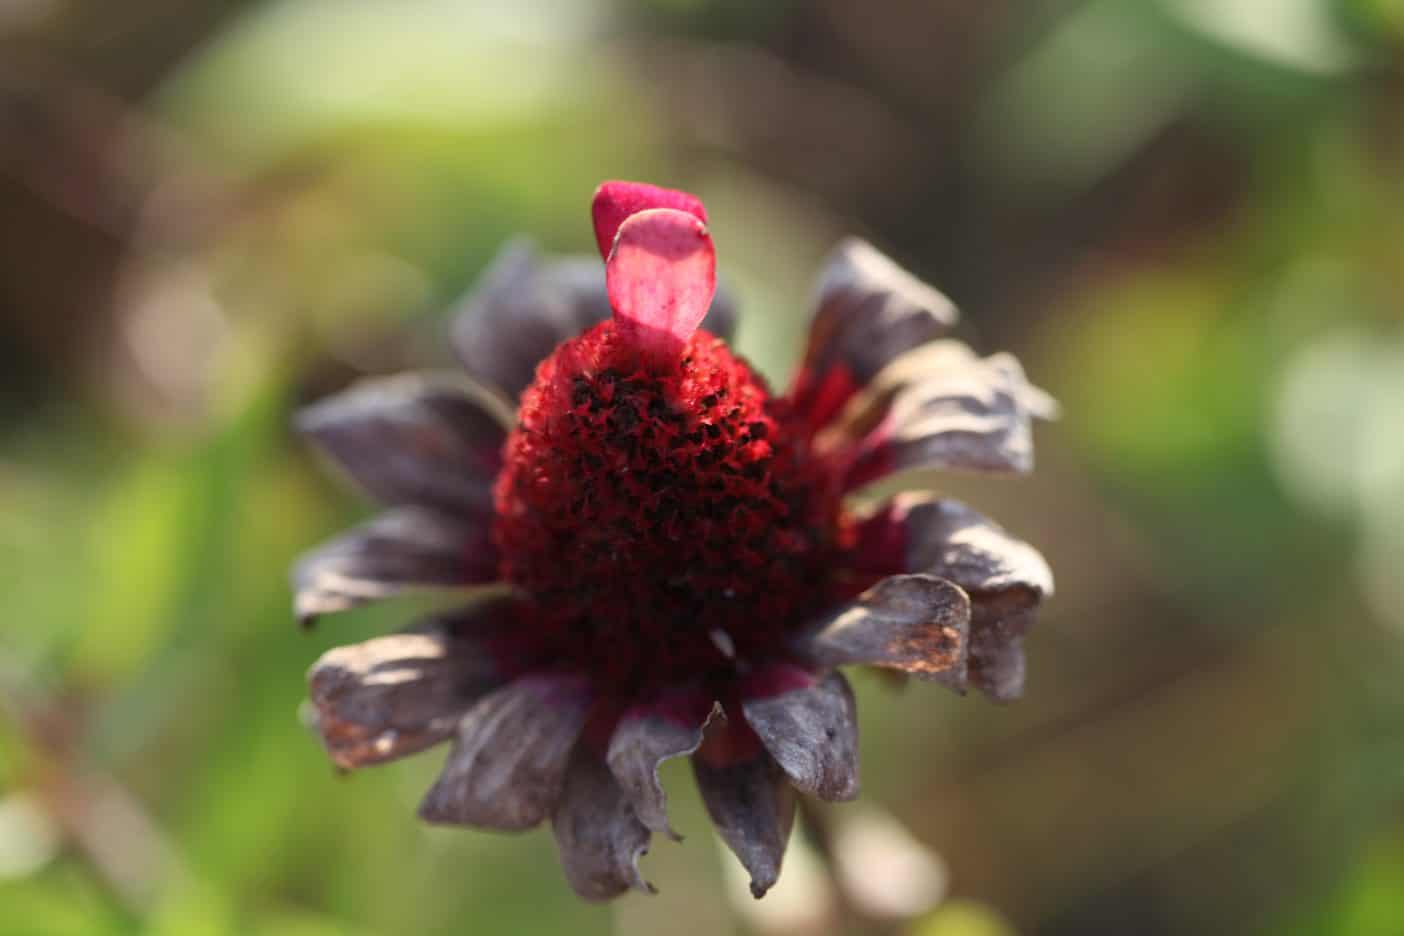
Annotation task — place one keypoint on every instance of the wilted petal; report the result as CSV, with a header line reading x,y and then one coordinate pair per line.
x,y
919,532
997,642
414,439
524,306
1005,577
407,547
647,735
509,761
599,837
869,311
397,695
752,806
965,413
914,623
810,727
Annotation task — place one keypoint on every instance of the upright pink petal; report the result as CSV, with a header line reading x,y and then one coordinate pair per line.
x,y
614,202
661,276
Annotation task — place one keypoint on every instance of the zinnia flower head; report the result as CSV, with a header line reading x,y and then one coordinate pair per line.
x,y
686,569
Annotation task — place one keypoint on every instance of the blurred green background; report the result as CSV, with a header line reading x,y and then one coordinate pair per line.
x,y
1185,216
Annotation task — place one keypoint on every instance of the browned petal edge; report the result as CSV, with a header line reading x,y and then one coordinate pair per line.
x,y
396,695
915,623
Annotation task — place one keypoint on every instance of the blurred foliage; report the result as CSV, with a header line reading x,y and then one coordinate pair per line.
x,y
1186,216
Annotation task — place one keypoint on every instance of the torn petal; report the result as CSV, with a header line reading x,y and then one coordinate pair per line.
x,y
615,202
752,806
508,763
811,729
599,837
868,311
397,695
661,276
915,623
403,548
413,439
649,734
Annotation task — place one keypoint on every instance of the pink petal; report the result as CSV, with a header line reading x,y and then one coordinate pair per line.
x,y
661,276
614,202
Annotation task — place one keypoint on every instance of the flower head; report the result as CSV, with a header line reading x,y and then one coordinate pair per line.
x,y
687,571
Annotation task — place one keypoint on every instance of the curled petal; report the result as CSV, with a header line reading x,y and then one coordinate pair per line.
x,y
407,547
811,729
396,695
919,532
1005,577
669,726
414,439
661,276
615,202
752,806
970,414
525,305
599,837
915,623
868,311
508,763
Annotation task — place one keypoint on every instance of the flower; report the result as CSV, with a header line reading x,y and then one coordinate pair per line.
x,y
687,570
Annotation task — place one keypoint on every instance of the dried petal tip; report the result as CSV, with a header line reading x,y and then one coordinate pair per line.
x,y
661,275
614,202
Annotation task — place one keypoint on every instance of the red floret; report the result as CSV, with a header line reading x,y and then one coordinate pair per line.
x,y
663,518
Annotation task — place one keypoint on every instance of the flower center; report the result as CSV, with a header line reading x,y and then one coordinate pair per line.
x,y
665,519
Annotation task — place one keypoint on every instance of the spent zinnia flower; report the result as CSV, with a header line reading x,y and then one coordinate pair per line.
x,y
685,567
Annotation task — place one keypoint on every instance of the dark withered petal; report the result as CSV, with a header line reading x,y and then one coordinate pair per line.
x,y
943,408
524,306
811,729
599,837
403,548
413,439
752,805
868,311
1000,621
648,734
915,623
1005,577
509,759
397,695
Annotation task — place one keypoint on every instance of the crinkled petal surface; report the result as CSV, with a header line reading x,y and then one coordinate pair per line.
x,y
508,763
649,734
397,695
868,311
915,623
752,805
524,306
810,727
599,837
414,439
406,547
969,415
